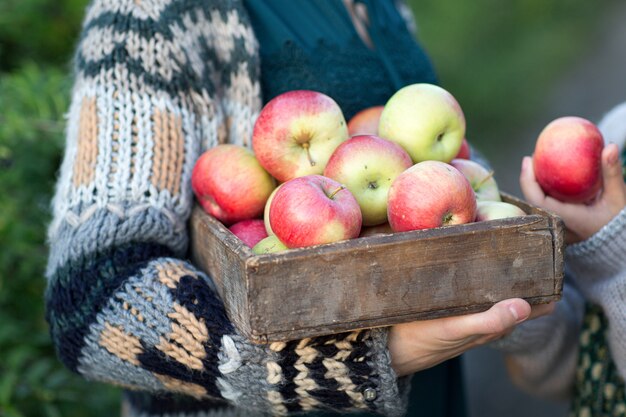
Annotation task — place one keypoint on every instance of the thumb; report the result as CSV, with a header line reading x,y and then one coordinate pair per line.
x,y
612,174
500,318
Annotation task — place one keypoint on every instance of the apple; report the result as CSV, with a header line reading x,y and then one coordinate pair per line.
x,y
426,121
567,159
430,194
365,122
230,184
266,212
367,165
313,210
296,132
465,151
482,181
491,210
270,244
381,229
249,231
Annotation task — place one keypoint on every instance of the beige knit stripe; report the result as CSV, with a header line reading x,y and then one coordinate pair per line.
x,y
169,152
339,371
277,346
182,387
305,384
185,339
196,327
276,400
170,273
179,353
120,344
177,144
274,373
87,153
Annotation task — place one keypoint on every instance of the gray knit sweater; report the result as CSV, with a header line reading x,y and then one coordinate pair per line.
x,y
156,83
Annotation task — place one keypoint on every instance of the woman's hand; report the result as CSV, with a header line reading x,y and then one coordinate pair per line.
x,y
582,220
422,344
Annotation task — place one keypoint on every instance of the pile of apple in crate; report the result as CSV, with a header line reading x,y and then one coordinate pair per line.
x,y
384,195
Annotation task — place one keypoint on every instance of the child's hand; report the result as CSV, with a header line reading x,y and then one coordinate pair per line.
x,y
582,220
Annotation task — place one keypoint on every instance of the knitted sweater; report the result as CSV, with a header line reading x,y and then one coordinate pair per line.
x,y
543,352
156,83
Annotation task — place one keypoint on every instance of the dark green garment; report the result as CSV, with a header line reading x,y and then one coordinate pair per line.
x,y
313,45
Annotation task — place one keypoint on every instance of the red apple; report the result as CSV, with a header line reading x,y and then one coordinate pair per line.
x,y
464,152
270,244
567,159
296,132
482,181
367,165
249,231
430,194
492,210
313,210
230,184
365,122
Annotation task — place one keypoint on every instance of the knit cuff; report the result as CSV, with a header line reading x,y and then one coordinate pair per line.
x,y
600,257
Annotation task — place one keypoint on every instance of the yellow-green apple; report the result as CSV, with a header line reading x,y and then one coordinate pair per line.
x,y
312,210
365,122
381,229
230,184
266,212
482,181
567,159
491,210
426,121
250,231
367,165
270,244
430,194
464,151
296,132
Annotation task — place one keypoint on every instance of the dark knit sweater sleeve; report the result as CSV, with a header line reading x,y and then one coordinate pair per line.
x,y
155,84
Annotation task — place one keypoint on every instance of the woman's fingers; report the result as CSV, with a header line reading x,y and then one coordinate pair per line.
x,y
500,318
612,175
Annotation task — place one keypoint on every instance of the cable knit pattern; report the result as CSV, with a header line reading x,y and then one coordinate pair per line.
x,y
156,83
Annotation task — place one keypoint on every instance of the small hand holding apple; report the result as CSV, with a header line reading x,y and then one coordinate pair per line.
x,y
420,345
582,220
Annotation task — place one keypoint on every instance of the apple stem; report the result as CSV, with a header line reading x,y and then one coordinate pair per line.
x,y
490,175
306,146
446,218
334,193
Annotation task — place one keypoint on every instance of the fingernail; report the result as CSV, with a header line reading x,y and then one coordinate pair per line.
x,y
613,157
515,313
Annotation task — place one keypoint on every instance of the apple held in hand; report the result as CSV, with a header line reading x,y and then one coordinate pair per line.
x,y
230,184
492,210
365,122
249,231
296,132
481,180
430,194
313,210
367,165
567,160
426,121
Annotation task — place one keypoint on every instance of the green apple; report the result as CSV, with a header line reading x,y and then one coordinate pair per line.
x,y
492,210
367,166
426,121
270,244
480,178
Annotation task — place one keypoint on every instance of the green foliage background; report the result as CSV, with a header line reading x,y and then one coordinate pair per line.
x,y
497,57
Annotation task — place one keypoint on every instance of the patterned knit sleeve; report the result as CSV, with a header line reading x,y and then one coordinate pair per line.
x,y
155,83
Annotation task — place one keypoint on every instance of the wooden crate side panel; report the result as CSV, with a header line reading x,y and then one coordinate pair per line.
x,y
216,251
410,279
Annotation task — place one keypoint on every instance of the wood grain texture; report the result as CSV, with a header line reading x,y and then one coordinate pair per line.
x,y
381,280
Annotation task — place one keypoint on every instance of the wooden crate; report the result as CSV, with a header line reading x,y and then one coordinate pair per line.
x,y
381,280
